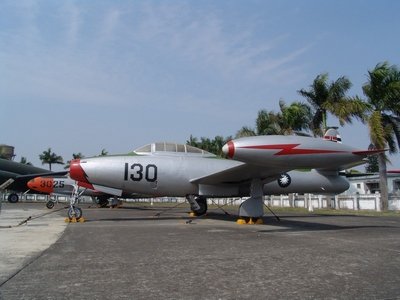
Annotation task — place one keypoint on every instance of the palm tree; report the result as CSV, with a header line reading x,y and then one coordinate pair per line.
x,y
25,161
193,141
267,123
104,152
210,145
48,157
372,165
74,156
245,131
383,95
331,98
296,117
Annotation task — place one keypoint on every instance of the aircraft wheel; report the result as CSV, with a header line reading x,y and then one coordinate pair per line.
x,y
202,202
75,212
13,198
50,204
103,202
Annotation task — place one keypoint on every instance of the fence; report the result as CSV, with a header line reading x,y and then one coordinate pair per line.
x,y
310,201
43,198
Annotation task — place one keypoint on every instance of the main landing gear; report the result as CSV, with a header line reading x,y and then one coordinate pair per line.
x,y
50,204
198,204
252,210
13,198
102,201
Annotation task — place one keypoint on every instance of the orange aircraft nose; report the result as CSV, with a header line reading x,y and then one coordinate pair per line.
x,y
42,184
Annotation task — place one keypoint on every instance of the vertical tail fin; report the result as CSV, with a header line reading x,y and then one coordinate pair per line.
x,y
332,135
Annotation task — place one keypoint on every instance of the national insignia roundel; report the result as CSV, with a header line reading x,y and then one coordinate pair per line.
x,y
284,180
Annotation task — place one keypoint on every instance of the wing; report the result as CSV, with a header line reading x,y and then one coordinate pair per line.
x,y
240,174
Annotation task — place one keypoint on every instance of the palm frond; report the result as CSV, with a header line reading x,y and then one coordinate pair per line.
x,y
376,130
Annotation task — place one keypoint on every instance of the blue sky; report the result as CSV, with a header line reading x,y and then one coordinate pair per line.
x,y
82,76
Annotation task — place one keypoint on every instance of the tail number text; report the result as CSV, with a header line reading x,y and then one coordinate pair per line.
x,y
137,172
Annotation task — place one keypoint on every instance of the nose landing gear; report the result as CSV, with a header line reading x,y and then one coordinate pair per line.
x,y
75,212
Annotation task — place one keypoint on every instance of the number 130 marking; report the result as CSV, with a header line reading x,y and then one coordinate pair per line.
x,y
150,172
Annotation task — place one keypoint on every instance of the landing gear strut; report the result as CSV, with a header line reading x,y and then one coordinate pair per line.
x,y
102,201
75,212
198,204
252,210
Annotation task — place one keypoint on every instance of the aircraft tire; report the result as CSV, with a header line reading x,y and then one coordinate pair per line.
x,y
102,202
50,204
13,198
75,212
202,202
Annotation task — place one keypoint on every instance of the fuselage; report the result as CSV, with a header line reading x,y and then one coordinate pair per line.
x,y
174,175
150,175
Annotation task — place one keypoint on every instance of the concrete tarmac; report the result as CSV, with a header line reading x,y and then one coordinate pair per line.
x,y
26,230
128,253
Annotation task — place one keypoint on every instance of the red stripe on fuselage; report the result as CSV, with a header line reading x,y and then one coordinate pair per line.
x,y
290,149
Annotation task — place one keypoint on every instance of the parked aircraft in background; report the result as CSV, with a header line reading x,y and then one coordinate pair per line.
x,y
258,165
14,177
64,185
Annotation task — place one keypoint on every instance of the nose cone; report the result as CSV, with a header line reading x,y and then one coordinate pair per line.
x,y
32,184
42,184
229,149
76,171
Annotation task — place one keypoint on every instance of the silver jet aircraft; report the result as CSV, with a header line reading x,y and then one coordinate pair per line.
x,y
259,165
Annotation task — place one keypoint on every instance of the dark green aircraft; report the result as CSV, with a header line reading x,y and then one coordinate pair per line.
x,y
14,177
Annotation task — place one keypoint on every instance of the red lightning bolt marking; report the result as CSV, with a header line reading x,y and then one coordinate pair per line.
x,y
290,149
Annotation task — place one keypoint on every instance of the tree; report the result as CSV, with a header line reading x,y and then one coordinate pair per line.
x,y
25,161
104,152
372,165
331,98
211,145
193,141
74,156
268,123
295,117
245,131
383,96
49,157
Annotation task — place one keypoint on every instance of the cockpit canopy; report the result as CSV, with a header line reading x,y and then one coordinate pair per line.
x,y
165,148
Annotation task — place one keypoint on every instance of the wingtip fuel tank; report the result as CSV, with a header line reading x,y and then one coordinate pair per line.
x,y
293,151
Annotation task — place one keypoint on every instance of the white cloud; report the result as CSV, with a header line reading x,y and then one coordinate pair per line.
x,y
121,55
205,40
